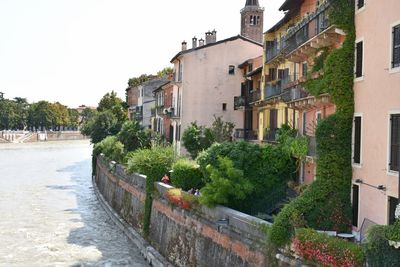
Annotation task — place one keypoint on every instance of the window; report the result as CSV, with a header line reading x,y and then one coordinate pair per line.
x,y
392,209
356,192
360,4
357,140
272,74
394,142
250,68
231,70
359,59
396,47
224,106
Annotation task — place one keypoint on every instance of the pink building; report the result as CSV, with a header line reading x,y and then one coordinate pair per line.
x,y
376,131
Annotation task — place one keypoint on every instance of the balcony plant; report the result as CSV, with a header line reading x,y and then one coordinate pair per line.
x,y
181,199
393,231
325,250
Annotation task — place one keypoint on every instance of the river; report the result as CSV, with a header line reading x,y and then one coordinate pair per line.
x,y
49,214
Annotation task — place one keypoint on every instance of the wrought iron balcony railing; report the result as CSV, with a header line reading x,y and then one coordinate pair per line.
x,y
271,134
245,134
310,26
239,102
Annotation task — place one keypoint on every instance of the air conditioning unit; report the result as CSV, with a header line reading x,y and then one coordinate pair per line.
x,y
170,110
165,111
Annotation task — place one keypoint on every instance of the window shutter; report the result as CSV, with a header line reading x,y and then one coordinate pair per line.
x,y
359,59
356,191
357,140
394,142
360,4
396,47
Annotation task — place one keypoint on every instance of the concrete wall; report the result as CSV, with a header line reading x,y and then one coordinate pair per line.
x,y
184,237
376,96
61,136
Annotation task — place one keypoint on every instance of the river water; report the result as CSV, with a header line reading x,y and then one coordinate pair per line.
x,y
49,214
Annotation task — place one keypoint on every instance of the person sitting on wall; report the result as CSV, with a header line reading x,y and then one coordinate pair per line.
x,y
165,179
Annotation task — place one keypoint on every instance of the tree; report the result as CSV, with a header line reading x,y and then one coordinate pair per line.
x,y
153,163
73,118
8,114
221,130
100,126
133,136
227,185
109,101
136,81
197,138
164,72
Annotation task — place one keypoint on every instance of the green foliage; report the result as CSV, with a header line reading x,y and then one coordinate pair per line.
x,y
227,185
164,72
101,125
109,101
320,59
377,249
222,131
393,231
186,175
136,81
326,204
267,168
153,163
197,138
133,136
325,250
293,145
111,148
108,120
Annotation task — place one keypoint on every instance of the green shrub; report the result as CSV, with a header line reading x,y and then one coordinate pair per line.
x,y
197,138
266,167
377,249
227,185
153,163
393,231
111,148
133,136
186,175
326,204
325,250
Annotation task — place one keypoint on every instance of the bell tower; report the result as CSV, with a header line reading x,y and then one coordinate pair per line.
x,y
252,21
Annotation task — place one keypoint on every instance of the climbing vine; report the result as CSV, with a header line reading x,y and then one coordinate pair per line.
x,y
326,204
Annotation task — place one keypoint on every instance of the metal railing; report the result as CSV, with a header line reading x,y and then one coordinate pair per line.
x,y
270,135
245,134
255,95
294,93
310,26
272,89
239,102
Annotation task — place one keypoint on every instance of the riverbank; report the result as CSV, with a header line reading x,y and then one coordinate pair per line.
x,y
29,137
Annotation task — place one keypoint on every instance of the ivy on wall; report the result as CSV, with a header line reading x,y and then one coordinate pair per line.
x,y
326,204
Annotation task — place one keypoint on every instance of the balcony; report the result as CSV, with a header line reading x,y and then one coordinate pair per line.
x,y
314,31
245,134
255,96
270,135
239,102
272,90
294,93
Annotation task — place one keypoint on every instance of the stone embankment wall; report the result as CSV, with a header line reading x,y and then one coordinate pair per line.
x,y
60,136
193,237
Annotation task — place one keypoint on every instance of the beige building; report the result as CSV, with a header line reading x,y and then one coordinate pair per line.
x,y
206,80
376,131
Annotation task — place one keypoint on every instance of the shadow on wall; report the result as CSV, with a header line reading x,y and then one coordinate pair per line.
x,y
97,234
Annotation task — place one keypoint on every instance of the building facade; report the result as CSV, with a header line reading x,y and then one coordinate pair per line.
x,y
252,21
293,47
377,113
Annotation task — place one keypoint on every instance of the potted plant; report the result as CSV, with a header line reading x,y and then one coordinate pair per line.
x,y
393,232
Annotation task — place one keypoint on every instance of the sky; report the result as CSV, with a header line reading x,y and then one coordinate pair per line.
x,y
75,51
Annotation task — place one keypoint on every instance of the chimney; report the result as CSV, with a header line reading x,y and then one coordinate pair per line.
x,y
194,42
214,36
201,42
208,37
184,45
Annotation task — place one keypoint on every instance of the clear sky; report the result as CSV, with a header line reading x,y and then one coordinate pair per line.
x,y
75,51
